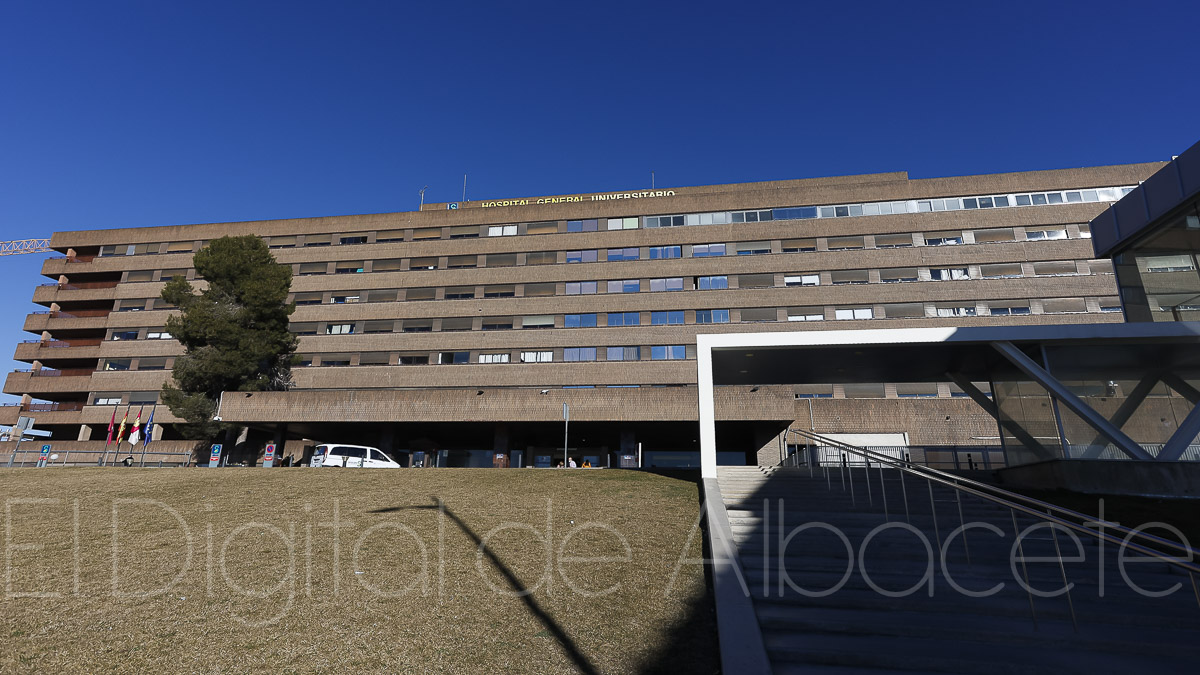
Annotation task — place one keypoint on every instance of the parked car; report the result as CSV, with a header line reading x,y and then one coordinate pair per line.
x,y
353,456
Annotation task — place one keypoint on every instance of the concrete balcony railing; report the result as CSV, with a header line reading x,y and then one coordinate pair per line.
x,y
35,382
95,319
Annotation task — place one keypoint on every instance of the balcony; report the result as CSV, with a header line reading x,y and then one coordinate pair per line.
x,y
48,381
84,319
75,292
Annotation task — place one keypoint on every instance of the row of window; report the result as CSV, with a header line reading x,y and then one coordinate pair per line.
x,y
564,355
1108,194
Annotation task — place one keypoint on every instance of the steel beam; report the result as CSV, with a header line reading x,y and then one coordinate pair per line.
x,y
1119,418
1181,387
1066,397
1182,438
992,409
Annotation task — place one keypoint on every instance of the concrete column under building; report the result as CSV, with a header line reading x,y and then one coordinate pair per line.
x,y
85,432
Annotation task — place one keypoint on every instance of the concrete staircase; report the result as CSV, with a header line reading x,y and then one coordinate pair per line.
x,y
818,616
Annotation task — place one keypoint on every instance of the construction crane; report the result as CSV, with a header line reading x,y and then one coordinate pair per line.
x,y
19,246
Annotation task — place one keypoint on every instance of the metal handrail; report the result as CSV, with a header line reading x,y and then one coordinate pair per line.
x,y
1030,505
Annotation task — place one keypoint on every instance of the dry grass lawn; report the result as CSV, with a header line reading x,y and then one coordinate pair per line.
x,y
238,570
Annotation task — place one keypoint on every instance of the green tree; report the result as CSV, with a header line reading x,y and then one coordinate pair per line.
x,y
234,332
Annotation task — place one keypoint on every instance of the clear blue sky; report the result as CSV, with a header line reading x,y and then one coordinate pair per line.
x,y
120,114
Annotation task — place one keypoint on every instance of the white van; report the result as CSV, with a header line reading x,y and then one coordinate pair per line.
x,y
354,456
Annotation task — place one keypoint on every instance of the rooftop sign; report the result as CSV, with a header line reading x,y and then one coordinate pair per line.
x,y
569,199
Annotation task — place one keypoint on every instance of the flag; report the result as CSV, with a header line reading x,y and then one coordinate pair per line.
x,y
111,423
137,422
149,429
121,429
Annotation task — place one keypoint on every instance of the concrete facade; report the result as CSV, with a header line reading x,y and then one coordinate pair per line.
x,y
386,300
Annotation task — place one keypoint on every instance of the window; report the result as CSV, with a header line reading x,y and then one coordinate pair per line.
x,y
186,246
548,227
1064,306
460,292
845,243
1043,235
624,319
143,397
624,254
318,240
159,334
1100,266
541,258
389,265
1168,263
951,274
624,354
1085,231
344,299
456,324
499,291
420,294
844,277
852,313
497,323
502,230
712,283
904,310
898,275
582,256
457,262
671,284
756,280
668,352
500,260
304,360
413,359
893,240
995,236
579,321
306,328
581,225
309,269
751,216
707,250
579,354
917,390
753,247
1054,269
451,358
106,399
1009,309
467,232
168,275
382,295
759,315
354,239
308,298
1110,304
581,287
277,242
493,358
625,286
956,310
799,245
664,221
335,360
423,264
140,275
124,335
389,235
539,290
540,321
339,329
379,326
671,318
622,223
1000,271
943,238
117,364
374,359
160,303
131,305
537,357
712,316
417,325
802,280
426,233
813,390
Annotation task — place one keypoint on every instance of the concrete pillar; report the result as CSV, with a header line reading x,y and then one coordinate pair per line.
x,y
387,439
85,432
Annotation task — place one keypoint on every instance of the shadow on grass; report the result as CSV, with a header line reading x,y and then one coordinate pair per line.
x,y
690,645
568,645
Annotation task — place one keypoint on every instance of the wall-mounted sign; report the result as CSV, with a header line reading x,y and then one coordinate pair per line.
x,y
452,206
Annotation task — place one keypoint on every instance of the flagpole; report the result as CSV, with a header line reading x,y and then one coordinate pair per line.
x,y
147,431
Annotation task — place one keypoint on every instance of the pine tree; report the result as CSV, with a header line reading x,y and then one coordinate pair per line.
x,y
234,332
